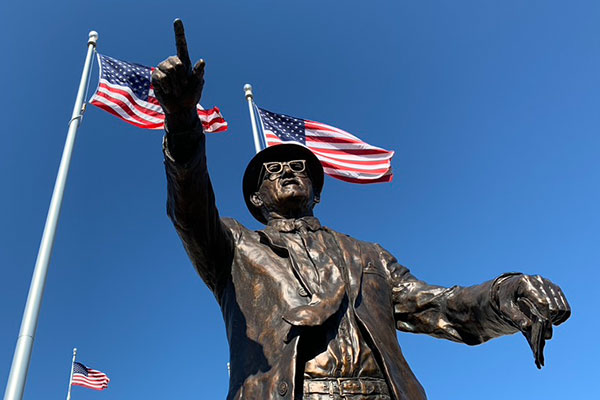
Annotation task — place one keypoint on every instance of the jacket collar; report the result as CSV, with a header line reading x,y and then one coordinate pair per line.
x,y
291,225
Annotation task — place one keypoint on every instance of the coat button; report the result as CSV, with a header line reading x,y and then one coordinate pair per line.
x,y
302,292
282,388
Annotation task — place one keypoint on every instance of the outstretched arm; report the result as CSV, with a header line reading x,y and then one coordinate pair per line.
x,y
475,314
190,199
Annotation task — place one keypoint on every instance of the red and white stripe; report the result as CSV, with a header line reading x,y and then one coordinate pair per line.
x,y
95,380
123,103
343,155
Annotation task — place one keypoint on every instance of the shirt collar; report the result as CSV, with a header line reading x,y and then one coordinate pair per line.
x,y
290,225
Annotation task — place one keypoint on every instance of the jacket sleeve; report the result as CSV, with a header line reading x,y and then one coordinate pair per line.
x,y
461,314
191,206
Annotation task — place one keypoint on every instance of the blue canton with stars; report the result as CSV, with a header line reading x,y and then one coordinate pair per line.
x,y
288,129
79,368
136,77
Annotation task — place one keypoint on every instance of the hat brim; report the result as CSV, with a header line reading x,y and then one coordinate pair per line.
x,y
280,152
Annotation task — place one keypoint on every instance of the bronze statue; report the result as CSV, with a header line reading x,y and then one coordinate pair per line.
x,y
311,313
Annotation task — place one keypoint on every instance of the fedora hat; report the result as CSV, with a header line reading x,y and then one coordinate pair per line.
x,y
280,152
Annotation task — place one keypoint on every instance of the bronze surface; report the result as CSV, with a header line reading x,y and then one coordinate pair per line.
x,y
301,301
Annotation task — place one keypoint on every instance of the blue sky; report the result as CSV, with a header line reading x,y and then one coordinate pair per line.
x,y
491,108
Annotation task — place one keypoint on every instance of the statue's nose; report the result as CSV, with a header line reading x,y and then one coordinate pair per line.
x,y
287,170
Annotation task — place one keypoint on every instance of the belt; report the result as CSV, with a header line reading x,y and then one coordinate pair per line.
x,y
346,386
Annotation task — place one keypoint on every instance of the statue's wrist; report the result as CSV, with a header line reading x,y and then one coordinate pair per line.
x,y
182,121
184,134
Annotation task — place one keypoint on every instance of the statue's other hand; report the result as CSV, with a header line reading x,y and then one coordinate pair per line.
x,y
178,86
532,304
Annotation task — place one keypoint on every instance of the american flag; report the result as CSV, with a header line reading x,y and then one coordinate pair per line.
x,y
89,378
125,90
343,155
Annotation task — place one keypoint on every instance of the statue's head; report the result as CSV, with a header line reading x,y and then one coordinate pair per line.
x,y
283,181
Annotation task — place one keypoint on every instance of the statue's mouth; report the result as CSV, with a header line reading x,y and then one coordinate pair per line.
x,y
289,181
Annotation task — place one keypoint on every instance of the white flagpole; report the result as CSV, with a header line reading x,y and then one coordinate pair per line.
x,y
250,98
22,356
71,376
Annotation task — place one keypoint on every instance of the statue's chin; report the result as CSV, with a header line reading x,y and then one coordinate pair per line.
x,y
292,207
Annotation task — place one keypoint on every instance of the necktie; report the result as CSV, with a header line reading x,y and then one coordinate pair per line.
x,y
327,289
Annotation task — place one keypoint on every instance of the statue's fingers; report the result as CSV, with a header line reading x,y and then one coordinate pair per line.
x,y
181,43
180,70
541,300
564,309
156,76
159,79
562,317
537,342
553,297
169,82
177,75
548,331
198,70
553,301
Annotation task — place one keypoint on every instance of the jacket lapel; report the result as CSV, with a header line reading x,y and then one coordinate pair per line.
x,y
273,238
353,261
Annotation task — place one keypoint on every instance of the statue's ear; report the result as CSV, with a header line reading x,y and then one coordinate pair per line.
x,y
317,199
256,200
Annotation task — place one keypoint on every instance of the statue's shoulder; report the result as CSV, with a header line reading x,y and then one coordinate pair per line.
x,y
236,228
232,224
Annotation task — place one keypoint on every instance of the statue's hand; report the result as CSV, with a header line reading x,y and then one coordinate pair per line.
x,y
532,304
178,86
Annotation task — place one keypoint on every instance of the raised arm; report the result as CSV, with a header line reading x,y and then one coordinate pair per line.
x,y
190,199
472,315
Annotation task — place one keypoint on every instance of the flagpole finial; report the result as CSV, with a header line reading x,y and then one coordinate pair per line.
x,y
248,91
250,100
93,38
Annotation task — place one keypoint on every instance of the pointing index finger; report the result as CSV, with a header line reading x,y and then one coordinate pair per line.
x,y
181,43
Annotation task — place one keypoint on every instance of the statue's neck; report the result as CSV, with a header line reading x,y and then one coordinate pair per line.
x,y
274,215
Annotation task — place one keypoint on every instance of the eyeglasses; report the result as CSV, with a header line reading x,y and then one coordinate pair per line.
x,y
273,169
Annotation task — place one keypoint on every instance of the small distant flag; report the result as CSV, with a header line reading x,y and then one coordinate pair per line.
x,y
125,90
89,378
343,155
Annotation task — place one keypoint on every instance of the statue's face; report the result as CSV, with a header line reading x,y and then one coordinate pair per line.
x,y
286,190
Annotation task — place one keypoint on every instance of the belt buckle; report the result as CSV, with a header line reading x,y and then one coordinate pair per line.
x,y
330,388
368,387
340,387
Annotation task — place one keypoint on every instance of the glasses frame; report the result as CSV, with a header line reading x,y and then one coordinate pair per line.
x,y
265,173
